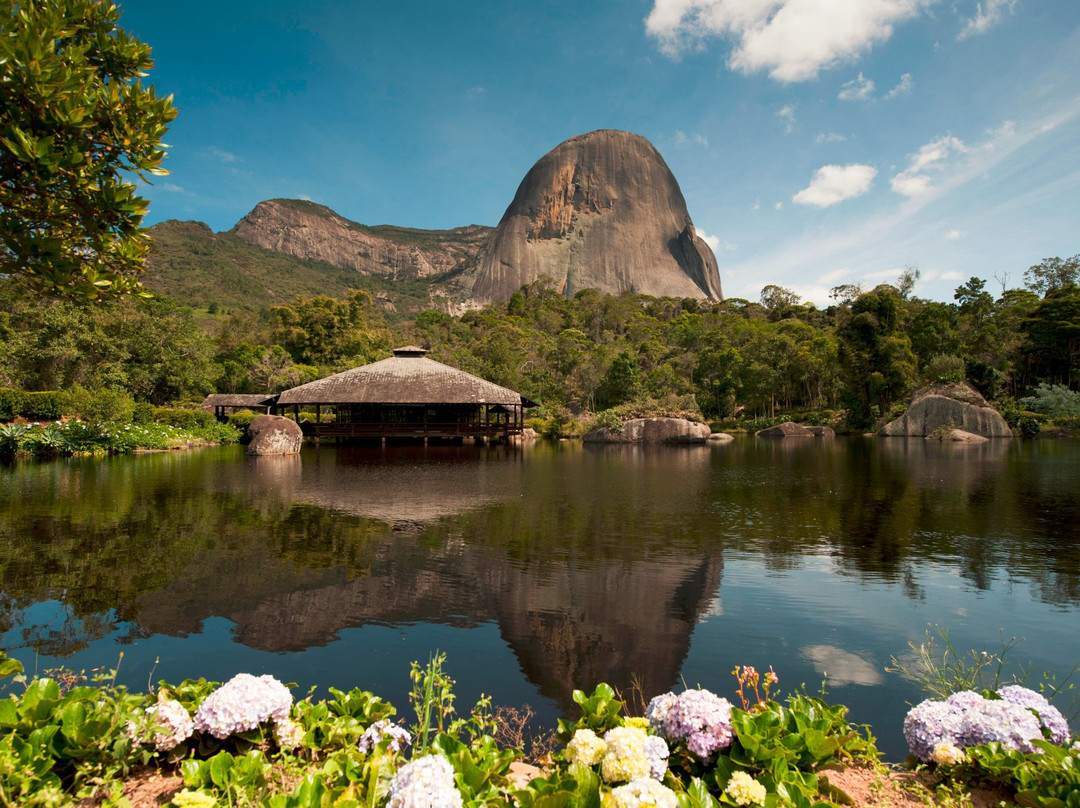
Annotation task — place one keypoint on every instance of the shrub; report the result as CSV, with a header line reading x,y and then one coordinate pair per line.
x,y
243,419
101,405
1056,401
11,403
143,413
184,418
945,368
50,405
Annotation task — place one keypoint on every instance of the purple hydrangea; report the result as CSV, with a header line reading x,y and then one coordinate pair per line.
x,y
380,731
242,703
1049,715
426,782
699,718
656,750
967,719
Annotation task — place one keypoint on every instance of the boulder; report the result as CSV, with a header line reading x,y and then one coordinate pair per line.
x,y
721,437
651,430
948,406
957,436
274,435
788,429
822,431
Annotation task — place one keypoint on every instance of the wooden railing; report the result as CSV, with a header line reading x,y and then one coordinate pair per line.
x,y
405,430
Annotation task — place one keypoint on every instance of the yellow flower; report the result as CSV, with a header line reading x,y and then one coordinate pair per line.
x,y
636,721
745,790
946,754
585,748
193,799
625,758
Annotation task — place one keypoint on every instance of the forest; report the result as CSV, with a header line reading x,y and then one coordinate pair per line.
x,y
737,362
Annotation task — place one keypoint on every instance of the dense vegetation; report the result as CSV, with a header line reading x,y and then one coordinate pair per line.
x,y
851,364
247,743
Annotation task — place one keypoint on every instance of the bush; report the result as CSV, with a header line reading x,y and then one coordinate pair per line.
x,y
11,403
1055,401
242,420
184,419
50,405
101,405
945,368
143,413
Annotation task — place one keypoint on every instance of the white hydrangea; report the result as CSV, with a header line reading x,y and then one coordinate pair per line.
x,y
585,748
426,782
639,793
242,703
172,722
745,790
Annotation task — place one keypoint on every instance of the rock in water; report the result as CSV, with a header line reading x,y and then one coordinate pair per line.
x,y
274,435
601,210
651,430
947,406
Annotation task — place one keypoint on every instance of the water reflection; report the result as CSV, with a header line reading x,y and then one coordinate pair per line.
x,y
592,563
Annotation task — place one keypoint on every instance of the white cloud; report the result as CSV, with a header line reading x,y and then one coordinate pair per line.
x,y
222,155
305,197
683,139
842,667
474,93
829,137
778,206
833,184
915,179
904,86
859,88
952,275
714,242
756,205
954,235
793,40
987,15
830,278
173,187
787,115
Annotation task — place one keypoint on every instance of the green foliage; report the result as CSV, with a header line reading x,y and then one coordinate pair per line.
x,y
1055,401
1051,274
940,670
600,711
189,419
432,697
242,420
1046,778
945,368
48,405
101,405
11,403
75,122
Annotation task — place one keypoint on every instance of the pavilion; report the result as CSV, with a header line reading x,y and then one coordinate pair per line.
x,y
406,396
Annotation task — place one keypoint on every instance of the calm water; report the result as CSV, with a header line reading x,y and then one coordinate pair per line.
x,y
546,568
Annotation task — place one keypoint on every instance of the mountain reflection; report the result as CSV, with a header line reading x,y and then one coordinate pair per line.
x,y
596,563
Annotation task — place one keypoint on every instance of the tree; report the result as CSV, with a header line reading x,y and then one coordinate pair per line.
x,y
75,119
1053,273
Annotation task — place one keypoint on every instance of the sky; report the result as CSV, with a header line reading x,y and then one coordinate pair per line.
x,y
817,142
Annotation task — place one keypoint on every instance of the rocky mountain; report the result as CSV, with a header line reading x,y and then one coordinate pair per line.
x,y
601,210
313,232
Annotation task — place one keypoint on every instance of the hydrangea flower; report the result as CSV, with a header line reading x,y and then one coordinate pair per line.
x,y
287,734
1049,716
967,719
945,754
426,782
656,750
698,717
193,799
625,758
745,790
242,703
643,792
380,731
168,715
585,748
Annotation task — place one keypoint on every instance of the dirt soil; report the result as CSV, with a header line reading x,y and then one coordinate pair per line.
x,y
867,787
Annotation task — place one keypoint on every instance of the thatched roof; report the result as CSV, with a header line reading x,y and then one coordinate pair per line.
x,y
237,400
408,377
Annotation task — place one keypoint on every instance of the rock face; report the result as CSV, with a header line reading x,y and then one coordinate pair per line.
x,y
957,436
788,429
310,231
651,430
274,435
601,210
957,406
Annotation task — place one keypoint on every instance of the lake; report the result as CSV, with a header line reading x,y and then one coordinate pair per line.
x,y
543,568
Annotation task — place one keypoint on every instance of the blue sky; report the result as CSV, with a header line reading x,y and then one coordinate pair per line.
x,y
817,142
